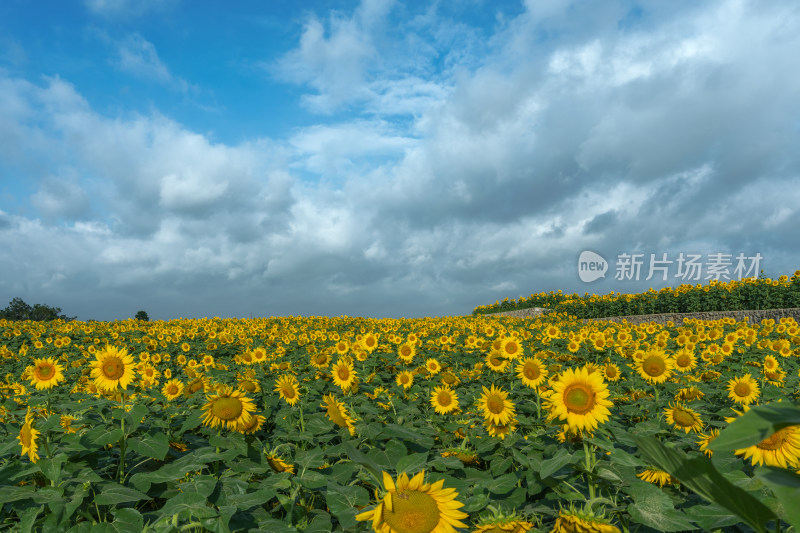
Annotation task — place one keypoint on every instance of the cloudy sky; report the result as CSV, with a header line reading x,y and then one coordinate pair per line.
x,y
389,158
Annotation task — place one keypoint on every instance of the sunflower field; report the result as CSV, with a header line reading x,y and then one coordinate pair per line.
x,y
435,425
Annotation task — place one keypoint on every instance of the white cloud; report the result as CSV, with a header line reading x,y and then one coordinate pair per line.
x,y
139,57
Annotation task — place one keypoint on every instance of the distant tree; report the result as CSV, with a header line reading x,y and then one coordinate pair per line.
x,y
18,310
142,315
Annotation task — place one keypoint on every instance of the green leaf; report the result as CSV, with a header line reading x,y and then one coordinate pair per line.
x,y
312,479
786,487
194,420
313,458
134,417
188,504
128,520
415,436
555,463
502,484
699,475
754,426
28,519
411,464
342,502
51,468
653,508
101,436
395,450
711,517
243,502
113,493
359,458
154,445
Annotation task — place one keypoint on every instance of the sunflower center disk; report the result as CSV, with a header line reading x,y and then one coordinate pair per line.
x,y
412,512
683,418
344,374
579,398
531,372
654,366
495,405
113,368
227,408
25,436
288,391
775,442
45,371
742,389
444,399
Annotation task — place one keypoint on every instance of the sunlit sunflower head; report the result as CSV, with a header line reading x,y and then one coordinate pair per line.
x,y
655,367
369,342
743,390
580,399
406,352
172,389
496,362
444,400
113,368
27,438
228,408
500,430
288,389
681,417
511,348
255,424
782,449
433,367
320,359
337,413
770,364
496,406
685,360
450,379
404,379
413,506
611,372
46,373
343,374
532,372
508,524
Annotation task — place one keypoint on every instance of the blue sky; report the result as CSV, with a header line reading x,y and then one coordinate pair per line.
x,y
387,158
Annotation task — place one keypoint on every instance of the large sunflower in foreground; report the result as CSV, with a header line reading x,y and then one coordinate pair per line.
x,y
782,448
413,506
46,373
113,368
228,408
580,399
343,374
496,406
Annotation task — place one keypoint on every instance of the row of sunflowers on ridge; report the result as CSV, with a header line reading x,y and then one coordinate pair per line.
x,y
733,295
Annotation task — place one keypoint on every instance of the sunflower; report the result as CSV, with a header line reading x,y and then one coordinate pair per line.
x,y
450,379
369,342
278,464
532,372
580,399
444,400
510,348
496,362
657,477
611,372
743,390
404,379
406,352
770,364
496,406
503,524
655,367
248,385
255,424
683,418
685,360
500,430
343,374
286,386
782,449
46,373
570,521
113,368
433,366
705,441
228,408
172,389
320,360
413,506
337,413
27,438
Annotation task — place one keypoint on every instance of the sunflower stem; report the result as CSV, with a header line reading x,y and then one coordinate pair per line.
x,y
589,456
121,470
302,422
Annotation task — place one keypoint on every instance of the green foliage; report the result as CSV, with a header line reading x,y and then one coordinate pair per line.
x,y
19,310
142,315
